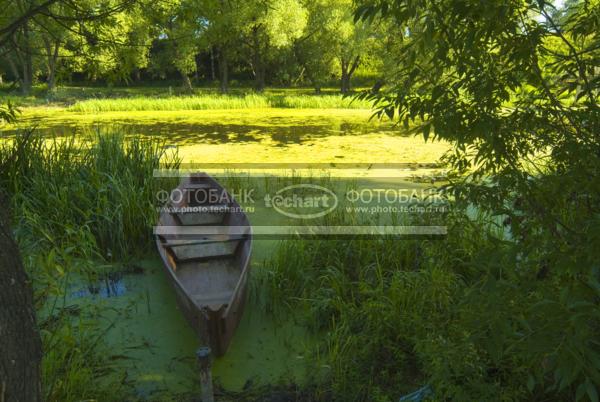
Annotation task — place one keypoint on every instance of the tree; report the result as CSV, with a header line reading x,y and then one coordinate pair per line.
x,y
514,89
268,25
313,50
20,349
221,33
111,47
19,40
333,41
179,25
353,43
103,39
53,35
90,34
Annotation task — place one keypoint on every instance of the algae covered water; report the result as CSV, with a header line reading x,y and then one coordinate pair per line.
x,y
151,342
251,135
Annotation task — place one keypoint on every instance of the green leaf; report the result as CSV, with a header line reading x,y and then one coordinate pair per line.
x,y
426,130
390,112
530,383
580,391
591,391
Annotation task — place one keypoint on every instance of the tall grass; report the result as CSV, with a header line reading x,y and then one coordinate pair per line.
x,y
77,365
395,314
70,189
76,205
203,102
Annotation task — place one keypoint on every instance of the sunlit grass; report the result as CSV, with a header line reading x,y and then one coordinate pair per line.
x,y
203,102
68,95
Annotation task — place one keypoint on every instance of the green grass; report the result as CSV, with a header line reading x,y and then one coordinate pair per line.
x,y
78,204
396,314
66,190
204,102
65,96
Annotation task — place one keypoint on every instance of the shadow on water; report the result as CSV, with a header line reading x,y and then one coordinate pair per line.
x,y
281,133
110,285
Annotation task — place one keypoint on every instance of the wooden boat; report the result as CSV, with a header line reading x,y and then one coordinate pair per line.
x,y
205,241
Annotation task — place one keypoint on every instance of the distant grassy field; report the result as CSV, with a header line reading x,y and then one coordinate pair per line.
x,y
105,99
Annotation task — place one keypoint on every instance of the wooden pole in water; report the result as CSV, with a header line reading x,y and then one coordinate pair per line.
x,y
203,356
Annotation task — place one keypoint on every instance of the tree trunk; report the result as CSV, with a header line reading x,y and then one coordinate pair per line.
x,y
27,63
187,83
345,87
52,62
14,70
377,86
257,63
197,69
20,345
260,77
348,69
223,71
345,80
212,64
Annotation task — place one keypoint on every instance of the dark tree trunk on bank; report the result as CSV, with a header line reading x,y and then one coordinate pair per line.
x,y
212,64
14,70
348,68
223,71
377,86
259,76
187,83
257,62
20,62
345,87
27,63
20,344
52,53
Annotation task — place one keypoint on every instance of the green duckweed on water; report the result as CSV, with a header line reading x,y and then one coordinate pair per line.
x,y
251,135
153,346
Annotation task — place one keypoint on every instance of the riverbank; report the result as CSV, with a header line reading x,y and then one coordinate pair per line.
x,y
100,99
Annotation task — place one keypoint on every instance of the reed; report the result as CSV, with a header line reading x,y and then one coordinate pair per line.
x,y
99,188
394,314
76,205
215,101
76,364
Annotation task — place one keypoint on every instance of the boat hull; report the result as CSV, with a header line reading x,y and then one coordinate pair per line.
x,y
209,272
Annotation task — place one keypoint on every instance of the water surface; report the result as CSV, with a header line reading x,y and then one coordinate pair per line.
x,y
252,135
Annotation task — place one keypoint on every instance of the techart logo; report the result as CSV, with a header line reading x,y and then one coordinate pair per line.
x,y
303,201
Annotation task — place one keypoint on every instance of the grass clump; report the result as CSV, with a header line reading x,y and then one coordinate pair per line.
x,y
78,204
216,101
64,190
459,314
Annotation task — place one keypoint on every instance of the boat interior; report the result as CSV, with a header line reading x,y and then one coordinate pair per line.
x,y
207,263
